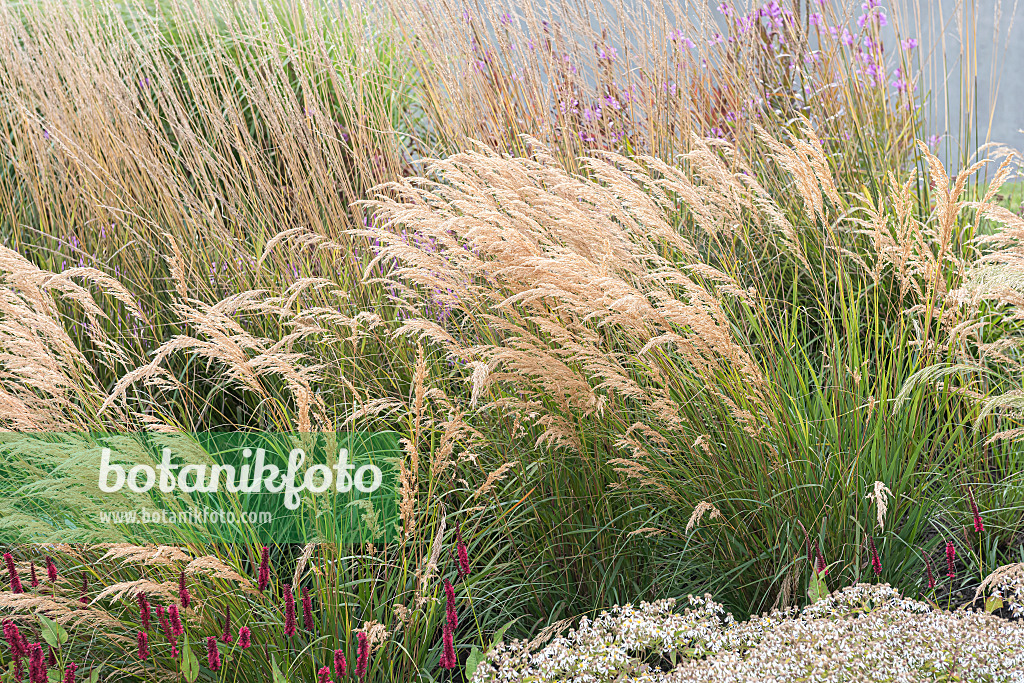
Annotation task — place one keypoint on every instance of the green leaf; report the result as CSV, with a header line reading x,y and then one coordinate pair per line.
x,y
53,633
817,589
993,603
499,634
278,676
95,675
473,661
53,676
189,663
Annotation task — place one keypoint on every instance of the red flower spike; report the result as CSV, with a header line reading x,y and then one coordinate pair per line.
x,y
876,562
12,574
323,675
143,610
928,571
36,667
226,636
950,560
244,637
51,570
183,595
451,616
979,526
33,579
142,642
340,665
69,673
168,632
462,553
307,610
263,578
448,660
212,654
289,611
176,626
14,640
362,655
820,568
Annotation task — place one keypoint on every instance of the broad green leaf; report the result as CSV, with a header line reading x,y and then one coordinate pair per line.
x,y
53,633
817,589
473,661
189,663
993,603
95,675
53,676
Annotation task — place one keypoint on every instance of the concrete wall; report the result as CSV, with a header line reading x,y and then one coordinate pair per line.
x,y
999,73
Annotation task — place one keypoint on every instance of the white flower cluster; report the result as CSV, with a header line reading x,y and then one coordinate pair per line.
x,y
614,645
864,632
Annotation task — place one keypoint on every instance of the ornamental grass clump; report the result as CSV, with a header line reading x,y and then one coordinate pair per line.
x,y
630,321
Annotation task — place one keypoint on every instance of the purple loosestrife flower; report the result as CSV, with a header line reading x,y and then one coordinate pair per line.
x,y
226,636
340,665
950,560
12,574
263,578
143,610
449,605
909,44
876,562
979,526
51,570
462,553
176,626
362,655
69,673
183,595
289,611
33,579
142,642
323,675
244,637
212,654
307,610
36,667
816,19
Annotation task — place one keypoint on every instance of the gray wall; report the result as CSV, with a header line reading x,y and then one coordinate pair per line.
x,y
999,35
